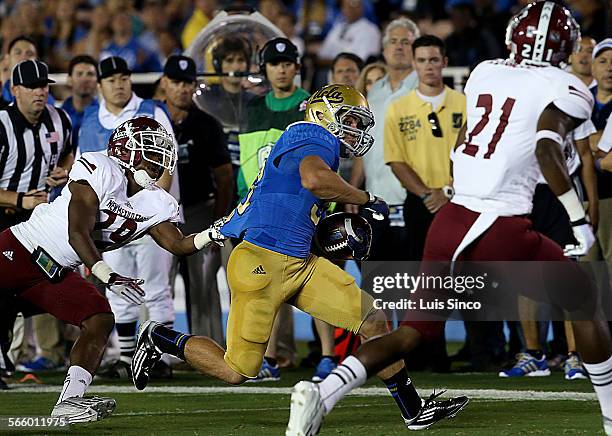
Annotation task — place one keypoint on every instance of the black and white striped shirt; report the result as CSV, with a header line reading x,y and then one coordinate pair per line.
x,y
28,153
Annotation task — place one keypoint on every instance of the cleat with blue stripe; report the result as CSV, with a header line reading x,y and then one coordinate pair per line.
x,y
527,365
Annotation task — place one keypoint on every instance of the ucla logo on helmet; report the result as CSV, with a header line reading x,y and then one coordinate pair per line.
x,y
333,94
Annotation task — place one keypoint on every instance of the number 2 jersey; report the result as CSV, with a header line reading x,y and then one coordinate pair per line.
x,y
495,170
120,218
278,213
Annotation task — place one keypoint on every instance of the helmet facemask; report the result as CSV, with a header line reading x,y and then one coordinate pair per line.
x,y
339,128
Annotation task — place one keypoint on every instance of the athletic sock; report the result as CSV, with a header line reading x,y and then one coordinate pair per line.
x,y
170,341
536,354
347,376
405,395
126,331
601,377
76,383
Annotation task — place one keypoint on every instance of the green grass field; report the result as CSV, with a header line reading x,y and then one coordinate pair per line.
x,y
195,405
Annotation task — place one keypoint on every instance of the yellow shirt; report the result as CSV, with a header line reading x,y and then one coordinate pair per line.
x,y
196,22
409,138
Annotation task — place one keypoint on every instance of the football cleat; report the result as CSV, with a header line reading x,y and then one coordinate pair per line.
x,y
84,409
267,373
324,368
118,370
527,365
307,410
146,355
574,369
434,411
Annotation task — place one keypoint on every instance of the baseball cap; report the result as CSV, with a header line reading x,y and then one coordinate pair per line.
x,y
179,67
602,46
31,74
112,65
278,49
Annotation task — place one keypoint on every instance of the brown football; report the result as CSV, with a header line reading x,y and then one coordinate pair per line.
x,y
331,236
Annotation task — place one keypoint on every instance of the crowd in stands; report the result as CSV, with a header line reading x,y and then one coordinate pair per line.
x,y
342,42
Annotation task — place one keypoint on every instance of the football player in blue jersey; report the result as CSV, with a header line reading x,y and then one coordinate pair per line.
x,y
273,264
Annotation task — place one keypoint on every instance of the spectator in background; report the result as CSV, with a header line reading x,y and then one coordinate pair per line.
x,y
99,33
5,76
315,17
421,129
126,46
154,21
169,45
286,23
228,101
205,171
592,17
602,73
389,236
82,81
345,69
63,35
353,33
270,9
203,12
469,44
582,59
370,74
21,48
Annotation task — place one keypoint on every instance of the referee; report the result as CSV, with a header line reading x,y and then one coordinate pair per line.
x,y
35,144
35,153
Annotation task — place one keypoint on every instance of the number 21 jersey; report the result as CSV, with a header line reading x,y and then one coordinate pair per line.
x,y
495,170
120,218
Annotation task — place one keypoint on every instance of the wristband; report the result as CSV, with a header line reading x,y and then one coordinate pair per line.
x,y
371,198
448,191
572,205
549,134
202,239
19,203
102,271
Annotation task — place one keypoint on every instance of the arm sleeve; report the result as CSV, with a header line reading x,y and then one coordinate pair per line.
x,y
322,151
392,137
605,143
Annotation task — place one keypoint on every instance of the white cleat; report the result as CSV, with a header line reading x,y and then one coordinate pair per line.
x,y
86,409
307,410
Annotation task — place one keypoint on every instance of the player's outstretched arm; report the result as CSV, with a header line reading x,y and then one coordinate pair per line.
x,y
170,238
553,127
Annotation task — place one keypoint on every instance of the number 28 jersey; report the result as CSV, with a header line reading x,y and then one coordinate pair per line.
x,y
120,218
495,170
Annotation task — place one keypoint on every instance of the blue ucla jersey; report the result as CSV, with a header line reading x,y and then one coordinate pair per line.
x,y
278,213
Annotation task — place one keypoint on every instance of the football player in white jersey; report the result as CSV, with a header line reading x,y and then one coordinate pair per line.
x,y
519,111
108,202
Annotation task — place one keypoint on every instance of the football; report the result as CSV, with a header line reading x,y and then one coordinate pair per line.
x,y
332,235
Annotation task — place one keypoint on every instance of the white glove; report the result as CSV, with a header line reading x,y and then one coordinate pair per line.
x,y
207,237
583,232
127,288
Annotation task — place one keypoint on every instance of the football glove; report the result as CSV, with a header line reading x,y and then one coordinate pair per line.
x,y
583,232
377,207
207,237
359,242
127,288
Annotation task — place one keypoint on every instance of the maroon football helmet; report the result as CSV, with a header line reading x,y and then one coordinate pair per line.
x,y
543,33
142,138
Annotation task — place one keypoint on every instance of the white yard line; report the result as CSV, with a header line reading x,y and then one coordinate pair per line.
x,y
480,394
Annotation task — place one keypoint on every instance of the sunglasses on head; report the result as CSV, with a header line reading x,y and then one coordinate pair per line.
x,y
436,130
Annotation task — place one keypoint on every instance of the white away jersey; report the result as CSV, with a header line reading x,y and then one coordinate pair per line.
x,y
495,170
121,219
